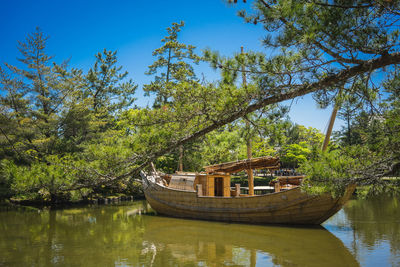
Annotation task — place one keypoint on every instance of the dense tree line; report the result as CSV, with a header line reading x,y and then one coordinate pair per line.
x,y
70,134
55,118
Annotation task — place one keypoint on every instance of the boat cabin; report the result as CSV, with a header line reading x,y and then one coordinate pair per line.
x,y
216,180
218,185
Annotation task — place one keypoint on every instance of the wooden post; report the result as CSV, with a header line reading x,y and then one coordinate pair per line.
x,y
237,190
153,168
250,171
199,189
253,258
180,167
250,176
277,187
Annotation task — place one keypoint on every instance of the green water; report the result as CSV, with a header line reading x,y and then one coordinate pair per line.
x,y
364,233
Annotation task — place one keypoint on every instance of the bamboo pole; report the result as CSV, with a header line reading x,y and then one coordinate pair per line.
x,y
250,176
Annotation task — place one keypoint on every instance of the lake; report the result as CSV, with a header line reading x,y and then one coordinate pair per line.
x,y
363,233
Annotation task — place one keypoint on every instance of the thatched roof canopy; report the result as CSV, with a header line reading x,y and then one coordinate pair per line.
x,y
266,162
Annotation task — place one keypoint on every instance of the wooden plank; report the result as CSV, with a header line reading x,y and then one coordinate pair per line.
x,y
236,166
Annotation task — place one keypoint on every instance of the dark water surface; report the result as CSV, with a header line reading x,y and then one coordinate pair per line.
x,y
364,233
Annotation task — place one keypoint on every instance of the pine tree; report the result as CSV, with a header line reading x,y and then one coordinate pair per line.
x,y
104,84
172,65
13,113
174,68
34,96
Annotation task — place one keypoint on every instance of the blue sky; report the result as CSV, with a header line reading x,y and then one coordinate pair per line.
x,y
80,29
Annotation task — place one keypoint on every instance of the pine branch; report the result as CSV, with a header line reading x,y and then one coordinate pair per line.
x,y
331,80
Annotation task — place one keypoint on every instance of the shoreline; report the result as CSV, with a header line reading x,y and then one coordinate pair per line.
x,y
66,203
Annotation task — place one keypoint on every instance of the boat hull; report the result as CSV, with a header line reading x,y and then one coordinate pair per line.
x,y
286,207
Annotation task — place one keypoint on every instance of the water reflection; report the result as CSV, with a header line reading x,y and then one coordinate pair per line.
x,y
219,244
91,236
371,229
120,235
376,220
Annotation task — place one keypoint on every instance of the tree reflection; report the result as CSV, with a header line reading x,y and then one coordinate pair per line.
x,y
92,236
121,236
374,221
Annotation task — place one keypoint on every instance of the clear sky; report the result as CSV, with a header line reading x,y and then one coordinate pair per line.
x,y
80,29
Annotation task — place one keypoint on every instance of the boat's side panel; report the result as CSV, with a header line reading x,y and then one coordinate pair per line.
x,y
292,206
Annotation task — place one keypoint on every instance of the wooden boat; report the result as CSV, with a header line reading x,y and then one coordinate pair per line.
x,y
208,196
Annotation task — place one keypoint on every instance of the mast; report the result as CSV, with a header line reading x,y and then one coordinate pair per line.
x,y
180,163
250,176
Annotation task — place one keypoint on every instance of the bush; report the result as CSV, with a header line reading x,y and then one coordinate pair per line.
x,y
7,168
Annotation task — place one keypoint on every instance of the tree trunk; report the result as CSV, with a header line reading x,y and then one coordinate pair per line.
x,y
330,126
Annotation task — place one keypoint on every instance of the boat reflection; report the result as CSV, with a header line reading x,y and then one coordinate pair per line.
x,y
129,235
188,242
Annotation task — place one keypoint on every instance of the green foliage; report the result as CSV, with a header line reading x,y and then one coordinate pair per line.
x,y
6,178
329,171
299,133
261,147
57,125
69,134
295,154
39,180
223,146
334,170
72,177
29,117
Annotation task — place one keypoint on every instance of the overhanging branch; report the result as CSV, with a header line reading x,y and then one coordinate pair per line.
x,y
331,80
